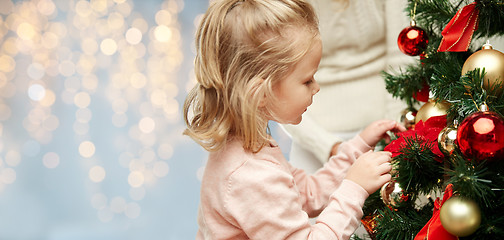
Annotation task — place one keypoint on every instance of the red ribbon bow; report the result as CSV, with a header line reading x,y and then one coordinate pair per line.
x,y
458,32
434,230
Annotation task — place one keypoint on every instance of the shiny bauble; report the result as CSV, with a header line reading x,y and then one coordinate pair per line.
x,y
412,40
490,59
408,117
447,140
460,217
390,193
432,109
481,136
422,95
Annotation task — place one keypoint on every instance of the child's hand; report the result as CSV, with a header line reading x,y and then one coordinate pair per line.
x,y
371,170
377,130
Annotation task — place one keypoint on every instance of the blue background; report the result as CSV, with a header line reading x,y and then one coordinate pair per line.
x,y
83,195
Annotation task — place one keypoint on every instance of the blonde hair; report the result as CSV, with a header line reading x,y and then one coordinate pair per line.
x,y
243,48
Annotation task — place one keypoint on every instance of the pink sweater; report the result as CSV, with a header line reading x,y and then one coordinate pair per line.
x,y
261,196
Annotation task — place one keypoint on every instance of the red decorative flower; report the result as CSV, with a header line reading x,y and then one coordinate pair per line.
x,y
424,133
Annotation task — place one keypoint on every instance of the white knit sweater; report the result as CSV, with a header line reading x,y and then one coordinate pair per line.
x,y
359,41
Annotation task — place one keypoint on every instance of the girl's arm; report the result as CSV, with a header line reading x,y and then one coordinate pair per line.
x,y
317,188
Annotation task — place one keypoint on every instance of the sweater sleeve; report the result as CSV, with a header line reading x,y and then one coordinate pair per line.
x,y
311,136
262,198
316,189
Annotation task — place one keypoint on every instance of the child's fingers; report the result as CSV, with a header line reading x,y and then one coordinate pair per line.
x,y
384,168
385,178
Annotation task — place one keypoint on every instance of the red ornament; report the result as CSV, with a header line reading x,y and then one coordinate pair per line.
x,y
412,40
481,136
422,95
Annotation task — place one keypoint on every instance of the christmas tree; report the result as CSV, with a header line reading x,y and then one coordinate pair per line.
x,y
448,168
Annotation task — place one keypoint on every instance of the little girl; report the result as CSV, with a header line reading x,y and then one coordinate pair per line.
x,y
255,63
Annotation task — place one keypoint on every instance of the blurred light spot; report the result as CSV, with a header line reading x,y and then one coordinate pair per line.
x,y
165,151
31,148
99,5
119,120
89,46
26,31
87,149
97,174
5,112
46,7
7,63
175,6
163,17
137,194
133,36
84,115
124,8
99,201
162,33
12,158
119,1
82,8
115,20
146,125
50,40
66,68
132,210
160,169
9,46
119,105
138,80
51,123
48,99
58,28
36,92
8,175
36,71
158,97
90,82
51,160
140,24
86,64
117,204
82,100
171,90
108,46
136,165
171,107
105,215
136,179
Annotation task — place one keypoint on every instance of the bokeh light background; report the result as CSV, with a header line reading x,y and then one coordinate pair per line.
x,y
91,95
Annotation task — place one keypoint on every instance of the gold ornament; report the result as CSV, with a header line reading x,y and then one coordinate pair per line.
x,y
446,140
431,109
460,217
408,117
390,192
490,59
